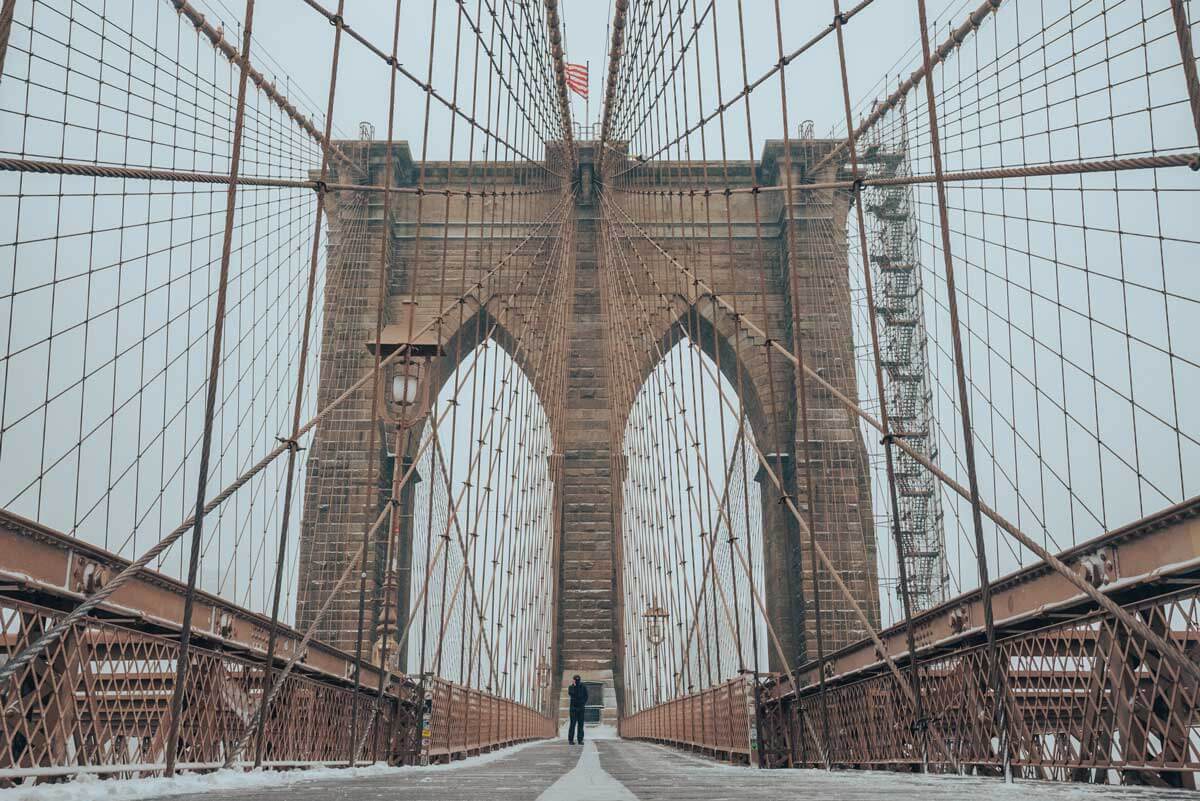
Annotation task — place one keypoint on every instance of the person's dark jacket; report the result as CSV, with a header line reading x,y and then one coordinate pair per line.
x,y
579,695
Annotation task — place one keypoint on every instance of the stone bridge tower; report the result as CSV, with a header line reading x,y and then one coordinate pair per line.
x,y
740,247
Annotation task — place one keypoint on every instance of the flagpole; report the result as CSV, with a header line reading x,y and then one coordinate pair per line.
x,y
587,99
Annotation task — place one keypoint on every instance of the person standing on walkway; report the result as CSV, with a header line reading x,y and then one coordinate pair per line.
x,y
579,699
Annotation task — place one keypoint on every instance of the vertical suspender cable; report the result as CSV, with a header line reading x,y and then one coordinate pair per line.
x,y
210,402
964,398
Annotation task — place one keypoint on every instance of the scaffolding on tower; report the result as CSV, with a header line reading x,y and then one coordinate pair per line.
x,y
896,275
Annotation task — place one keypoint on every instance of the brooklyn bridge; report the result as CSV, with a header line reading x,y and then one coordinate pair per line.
x,y
824,397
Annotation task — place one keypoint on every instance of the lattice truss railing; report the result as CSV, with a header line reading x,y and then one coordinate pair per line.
x,y
1013,219
187,245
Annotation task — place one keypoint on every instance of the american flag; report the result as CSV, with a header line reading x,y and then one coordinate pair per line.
x,y
577,79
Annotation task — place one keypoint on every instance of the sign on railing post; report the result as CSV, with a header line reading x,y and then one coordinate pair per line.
x,y
426,716
751,682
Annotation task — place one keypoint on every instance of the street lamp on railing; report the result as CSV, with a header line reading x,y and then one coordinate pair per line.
x,y
656,632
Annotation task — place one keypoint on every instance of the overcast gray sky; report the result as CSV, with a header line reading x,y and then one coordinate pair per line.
x,y
300,43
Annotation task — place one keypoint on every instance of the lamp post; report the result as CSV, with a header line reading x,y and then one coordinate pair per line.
x,y
656,632
406,394
656,619
405,404
543,679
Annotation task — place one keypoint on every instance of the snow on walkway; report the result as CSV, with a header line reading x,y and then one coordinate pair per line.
x,y
88,787
602,770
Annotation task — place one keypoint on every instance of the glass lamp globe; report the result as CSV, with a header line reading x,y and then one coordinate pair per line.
x,y
406,384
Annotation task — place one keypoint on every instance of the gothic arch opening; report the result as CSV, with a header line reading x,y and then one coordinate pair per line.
x,y
480,573
691,532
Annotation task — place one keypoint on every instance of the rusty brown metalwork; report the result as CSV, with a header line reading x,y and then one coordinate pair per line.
x,y
147,174
1188,159
47,567
994,675
1083,667
293,438
1150,551
1183,34
98,703
902,557
210,403
560,76
715,721
495,723
431,92
6,20
1085,700
268,88
968,27
617,47
107,681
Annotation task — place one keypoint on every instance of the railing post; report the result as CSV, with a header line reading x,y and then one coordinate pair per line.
x,y
426,694
751,689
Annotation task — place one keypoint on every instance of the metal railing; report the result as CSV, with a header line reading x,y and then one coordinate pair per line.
x,y
97,702
718,721
1084,700
466,721
1078,694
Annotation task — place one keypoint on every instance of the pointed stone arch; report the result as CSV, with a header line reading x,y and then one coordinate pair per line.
x,y
489,518
741,361
480,327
